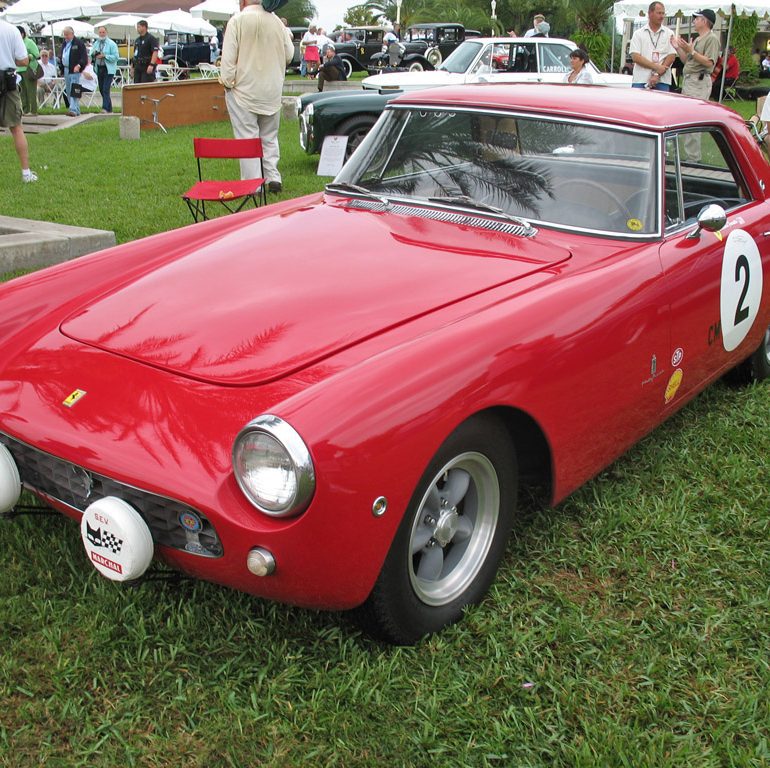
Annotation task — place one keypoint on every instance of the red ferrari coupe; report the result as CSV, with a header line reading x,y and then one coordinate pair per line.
x,y
542,274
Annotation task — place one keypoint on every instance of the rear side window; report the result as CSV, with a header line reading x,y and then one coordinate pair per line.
x,y
699,170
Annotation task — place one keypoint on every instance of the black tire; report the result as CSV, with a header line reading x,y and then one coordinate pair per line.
x,y
355,128
348,65
449,544
754,368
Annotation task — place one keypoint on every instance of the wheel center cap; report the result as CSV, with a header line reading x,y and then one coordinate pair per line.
x,y
446,526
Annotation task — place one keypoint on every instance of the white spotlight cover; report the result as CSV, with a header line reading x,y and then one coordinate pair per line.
x,y
117,540
10,482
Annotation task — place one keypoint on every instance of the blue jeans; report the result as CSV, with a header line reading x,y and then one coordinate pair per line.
x,y
658,87
69,79
104,78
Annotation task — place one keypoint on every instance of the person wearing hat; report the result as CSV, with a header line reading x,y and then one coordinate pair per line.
x,y
332,67
699,58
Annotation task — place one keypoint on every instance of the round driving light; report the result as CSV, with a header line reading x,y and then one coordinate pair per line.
x,y
273,467
10,482
116,538
260,562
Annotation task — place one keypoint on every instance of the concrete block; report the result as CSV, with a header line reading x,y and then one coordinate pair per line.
x,y
28,244
289,108
130,127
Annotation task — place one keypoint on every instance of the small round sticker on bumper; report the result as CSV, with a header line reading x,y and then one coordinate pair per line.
x,y
116,538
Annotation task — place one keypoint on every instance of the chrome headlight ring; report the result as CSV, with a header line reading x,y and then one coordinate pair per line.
x,y
273,467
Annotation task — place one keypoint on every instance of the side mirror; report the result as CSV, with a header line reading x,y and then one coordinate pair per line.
x,y
712,218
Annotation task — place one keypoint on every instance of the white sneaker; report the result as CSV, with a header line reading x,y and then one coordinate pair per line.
x,y
29,178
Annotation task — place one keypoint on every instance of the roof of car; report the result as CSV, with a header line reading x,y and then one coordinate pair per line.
x,y
635,107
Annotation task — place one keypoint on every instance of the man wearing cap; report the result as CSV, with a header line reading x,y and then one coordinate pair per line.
x,y
652,52
332,67
699,57
540,27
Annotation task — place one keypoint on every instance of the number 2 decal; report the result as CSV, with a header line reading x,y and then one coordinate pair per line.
x,y
740,289
742,266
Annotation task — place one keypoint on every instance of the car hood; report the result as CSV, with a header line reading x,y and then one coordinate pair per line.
x,y
285,291
411,80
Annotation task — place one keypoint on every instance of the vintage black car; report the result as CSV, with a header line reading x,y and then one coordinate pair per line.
x,y
297,33
356,46
186,50
424,46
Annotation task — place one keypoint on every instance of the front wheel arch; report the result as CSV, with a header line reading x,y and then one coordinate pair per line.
x,y
472,482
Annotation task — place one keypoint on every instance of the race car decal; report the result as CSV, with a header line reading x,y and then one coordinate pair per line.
x,y
72,398
677,357
673,385
741,288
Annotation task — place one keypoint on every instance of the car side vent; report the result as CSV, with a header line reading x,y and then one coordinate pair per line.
x,y
495,225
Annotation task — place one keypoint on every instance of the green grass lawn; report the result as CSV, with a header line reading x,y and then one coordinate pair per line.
x,y
629,626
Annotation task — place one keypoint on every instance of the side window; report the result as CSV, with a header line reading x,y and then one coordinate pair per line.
x,y
554,58
523,59
484,64
700,170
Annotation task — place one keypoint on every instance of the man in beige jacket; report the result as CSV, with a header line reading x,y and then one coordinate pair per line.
x,y
255,53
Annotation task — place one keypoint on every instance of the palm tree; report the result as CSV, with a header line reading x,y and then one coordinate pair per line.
x,y
299,13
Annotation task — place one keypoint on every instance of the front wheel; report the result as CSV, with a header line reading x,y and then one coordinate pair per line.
x,y
416,66
355,128
451,540
348,66
433,55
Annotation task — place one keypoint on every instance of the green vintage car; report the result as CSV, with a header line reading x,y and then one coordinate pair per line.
x,y
339,113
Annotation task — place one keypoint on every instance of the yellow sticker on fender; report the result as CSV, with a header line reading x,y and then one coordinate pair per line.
x,y
71,399
673,384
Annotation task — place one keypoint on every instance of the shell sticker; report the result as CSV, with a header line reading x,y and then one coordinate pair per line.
x,y
634,225
73,397
673,385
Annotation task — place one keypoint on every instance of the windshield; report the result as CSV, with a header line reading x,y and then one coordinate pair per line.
x,y
558,172
461,57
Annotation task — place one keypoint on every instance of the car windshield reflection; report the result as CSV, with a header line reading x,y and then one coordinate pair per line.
x,y
553,172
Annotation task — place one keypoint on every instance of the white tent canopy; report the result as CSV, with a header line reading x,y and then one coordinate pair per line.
x,y
215,10
121,26
80,28
631,10
37,11
182,22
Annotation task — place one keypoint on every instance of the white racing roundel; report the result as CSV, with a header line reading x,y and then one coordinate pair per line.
x,y
741,288
117,540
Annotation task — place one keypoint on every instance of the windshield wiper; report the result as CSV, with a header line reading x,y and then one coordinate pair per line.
x,y
469,202
344,186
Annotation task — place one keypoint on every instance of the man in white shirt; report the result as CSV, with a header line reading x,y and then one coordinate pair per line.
x,y
13,53
255,53
652,52
537,21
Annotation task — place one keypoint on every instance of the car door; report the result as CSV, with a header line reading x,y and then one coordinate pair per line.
x,y
553,61
514,63
715,280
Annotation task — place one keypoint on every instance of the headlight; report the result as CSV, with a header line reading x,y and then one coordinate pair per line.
x,y
308,113
299,105
273,467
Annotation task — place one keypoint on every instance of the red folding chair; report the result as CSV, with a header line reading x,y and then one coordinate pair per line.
x,y
233,195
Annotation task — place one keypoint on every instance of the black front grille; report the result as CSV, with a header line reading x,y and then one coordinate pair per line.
x,y
77,488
